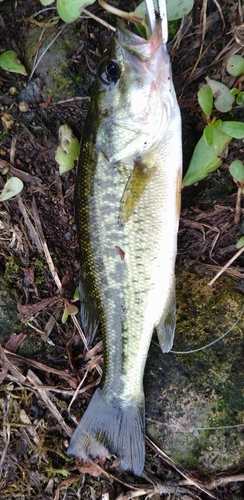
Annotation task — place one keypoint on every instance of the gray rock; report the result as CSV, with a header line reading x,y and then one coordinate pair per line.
x,y
195,402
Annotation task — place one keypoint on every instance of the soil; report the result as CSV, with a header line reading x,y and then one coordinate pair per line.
x,y
42,217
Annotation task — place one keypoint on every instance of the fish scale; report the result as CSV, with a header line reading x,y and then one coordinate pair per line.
x,y
127,213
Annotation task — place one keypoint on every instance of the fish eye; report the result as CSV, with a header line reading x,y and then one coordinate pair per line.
x,y
109,72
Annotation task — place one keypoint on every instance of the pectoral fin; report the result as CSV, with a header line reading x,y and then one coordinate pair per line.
x,y
135,186
166,327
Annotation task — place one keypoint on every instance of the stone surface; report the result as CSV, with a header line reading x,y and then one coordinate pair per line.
x,y
55,67
195,402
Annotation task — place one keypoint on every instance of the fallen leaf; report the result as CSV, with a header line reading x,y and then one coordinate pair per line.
x,y
7,120
29,274
28,310
88,467
14,341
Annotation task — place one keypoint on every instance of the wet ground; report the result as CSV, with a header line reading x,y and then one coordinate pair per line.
x,y
41,220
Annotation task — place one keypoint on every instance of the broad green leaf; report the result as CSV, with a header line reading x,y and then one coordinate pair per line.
x,y
205,99
70,10
68,150
176,9
235,65
223,99
234,129
46,2
205,159
237,170
208,134
12,187
10,62
240,242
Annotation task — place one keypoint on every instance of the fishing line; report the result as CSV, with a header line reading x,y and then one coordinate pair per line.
x,y
214,341
213,428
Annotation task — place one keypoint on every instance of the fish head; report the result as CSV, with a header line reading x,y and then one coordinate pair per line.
x,y
136,95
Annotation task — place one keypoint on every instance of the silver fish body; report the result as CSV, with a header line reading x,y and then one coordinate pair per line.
x,y
127,210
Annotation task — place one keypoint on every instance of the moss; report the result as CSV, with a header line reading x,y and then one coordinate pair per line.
x,y
31,346
173,27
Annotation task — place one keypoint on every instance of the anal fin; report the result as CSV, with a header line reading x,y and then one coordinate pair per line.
x,y
88,311
166,326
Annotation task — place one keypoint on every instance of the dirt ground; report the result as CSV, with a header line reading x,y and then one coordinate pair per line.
x,y
39,254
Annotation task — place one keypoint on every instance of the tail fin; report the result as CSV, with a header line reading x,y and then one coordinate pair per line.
x,y
110,426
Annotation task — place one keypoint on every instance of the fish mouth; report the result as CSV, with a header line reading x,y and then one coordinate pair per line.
x,y
135,44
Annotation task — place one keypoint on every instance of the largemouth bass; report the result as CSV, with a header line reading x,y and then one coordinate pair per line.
x,y
127,201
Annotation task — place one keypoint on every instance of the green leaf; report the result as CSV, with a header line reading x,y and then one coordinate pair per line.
x,y
223,99
205,99
68,150
237,170
234,129
176,9
12,187
65,315
240,242
234,91
46,2
10,62
70,10
205,159
217,123
143,29
235,65
239,100
76,295
208,134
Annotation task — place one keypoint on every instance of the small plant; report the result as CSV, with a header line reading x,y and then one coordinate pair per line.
x,y
235,67
217,133
70,10
70,309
